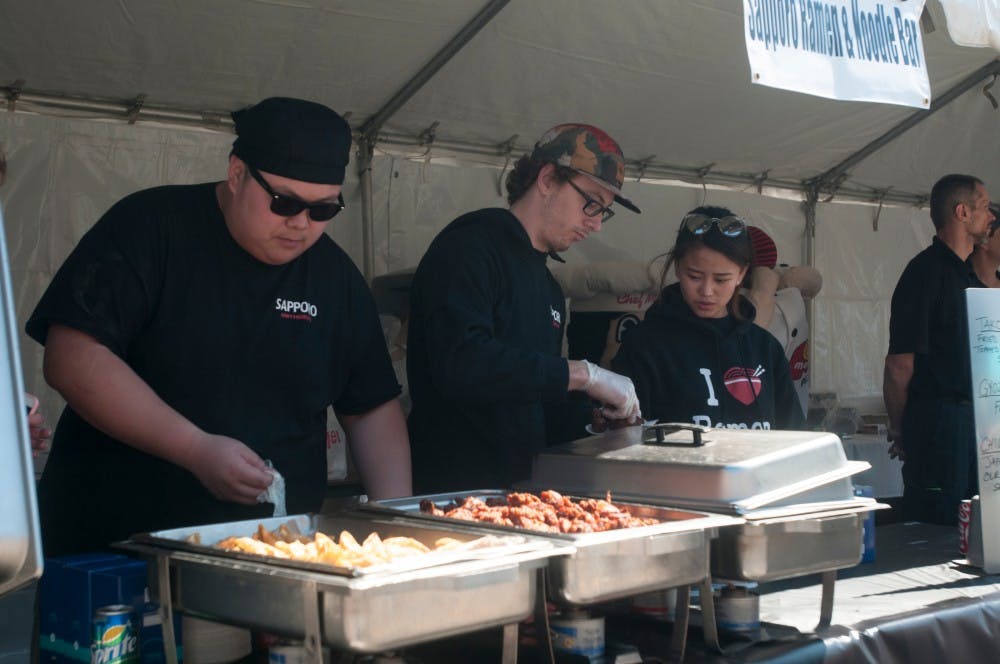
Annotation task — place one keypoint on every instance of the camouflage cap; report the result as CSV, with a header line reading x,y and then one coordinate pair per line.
x,y
588,151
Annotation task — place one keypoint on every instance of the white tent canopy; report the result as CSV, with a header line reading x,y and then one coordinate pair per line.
x,y
669,78
113,95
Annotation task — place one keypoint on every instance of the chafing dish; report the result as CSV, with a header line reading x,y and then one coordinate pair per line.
x,y
363,610
791,488
718,470
605,565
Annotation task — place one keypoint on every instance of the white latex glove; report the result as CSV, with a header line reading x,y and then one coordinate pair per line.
x,y
615,391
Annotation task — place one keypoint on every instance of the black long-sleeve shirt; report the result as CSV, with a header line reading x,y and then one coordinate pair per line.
x,y
483,354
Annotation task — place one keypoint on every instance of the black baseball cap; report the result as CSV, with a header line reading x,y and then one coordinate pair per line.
x,y
294,138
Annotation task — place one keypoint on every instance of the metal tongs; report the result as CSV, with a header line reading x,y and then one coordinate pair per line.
x,y
656,434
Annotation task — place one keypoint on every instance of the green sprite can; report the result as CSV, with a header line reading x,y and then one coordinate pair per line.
x,y
115,637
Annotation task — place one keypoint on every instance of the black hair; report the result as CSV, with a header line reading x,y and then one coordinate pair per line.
x,y
738,249
948,192
525,172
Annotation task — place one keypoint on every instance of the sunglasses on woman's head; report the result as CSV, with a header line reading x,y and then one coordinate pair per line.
x,y
699,224
289,206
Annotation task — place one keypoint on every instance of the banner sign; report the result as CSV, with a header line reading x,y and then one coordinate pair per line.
x,y
861,50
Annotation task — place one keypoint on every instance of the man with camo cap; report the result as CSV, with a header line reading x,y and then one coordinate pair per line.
x,y
487,319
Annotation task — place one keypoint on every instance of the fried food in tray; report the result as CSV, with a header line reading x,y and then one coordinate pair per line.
x,y
548,511
345,551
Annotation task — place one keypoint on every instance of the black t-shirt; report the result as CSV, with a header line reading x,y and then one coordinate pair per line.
x,y
241,348
717,372
928,319
483,354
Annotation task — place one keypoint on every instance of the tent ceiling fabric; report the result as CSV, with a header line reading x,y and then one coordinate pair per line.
x,y
669,79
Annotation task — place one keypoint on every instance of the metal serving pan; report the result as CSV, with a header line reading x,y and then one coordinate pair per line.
x,y
734,471
365,611
786,547
605,565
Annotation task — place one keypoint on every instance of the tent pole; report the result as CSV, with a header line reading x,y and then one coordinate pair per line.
x,y
809,248
398,143
373,124
809,235
365,154
832,179
367,134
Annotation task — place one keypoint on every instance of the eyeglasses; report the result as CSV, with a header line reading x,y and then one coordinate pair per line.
x,y
591,206
699,224
289,206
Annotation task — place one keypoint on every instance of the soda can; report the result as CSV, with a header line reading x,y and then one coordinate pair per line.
x,y
964,520
115,639
868,525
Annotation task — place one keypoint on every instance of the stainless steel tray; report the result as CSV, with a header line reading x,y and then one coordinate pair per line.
x,y
371,612
790,546
732,471
605,565
307,524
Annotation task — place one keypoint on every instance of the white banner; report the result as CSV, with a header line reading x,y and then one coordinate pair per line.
x,y
974,23
862,50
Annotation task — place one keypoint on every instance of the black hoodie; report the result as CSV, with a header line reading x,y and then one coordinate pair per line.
x,y
718,372
483,355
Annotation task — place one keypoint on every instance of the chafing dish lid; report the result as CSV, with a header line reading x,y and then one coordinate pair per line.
x,y
731,469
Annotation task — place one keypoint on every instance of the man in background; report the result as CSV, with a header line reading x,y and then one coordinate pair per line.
x,y
927,383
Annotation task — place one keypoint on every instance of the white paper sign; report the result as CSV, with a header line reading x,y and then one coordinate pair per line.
x,y
862,50
983,306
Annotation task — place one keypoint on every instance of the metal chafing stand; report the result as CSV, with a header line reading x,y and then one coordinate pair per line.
x,y
792,490
673,553
365,610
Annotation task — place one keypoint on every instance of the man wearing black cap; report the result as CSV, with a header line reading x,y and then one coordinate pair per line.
x,y
197,331
486,319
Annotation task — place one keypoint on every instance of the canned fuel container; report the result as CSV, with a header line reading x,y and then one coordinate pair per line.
x,y
294,652
658,605
737,610
115,639
286,654
577,633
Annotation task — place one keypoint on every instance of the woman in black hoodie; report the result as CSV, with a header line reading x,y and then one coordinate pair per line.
x,y
697,356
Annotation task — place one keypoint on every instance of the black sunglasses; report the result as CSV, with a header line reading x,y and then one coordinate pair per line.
x,y
699,224
593,207
289,206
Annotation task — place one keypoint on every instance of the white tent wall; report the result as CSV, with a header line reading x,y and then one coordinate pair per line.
x,y
860,267
417,199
